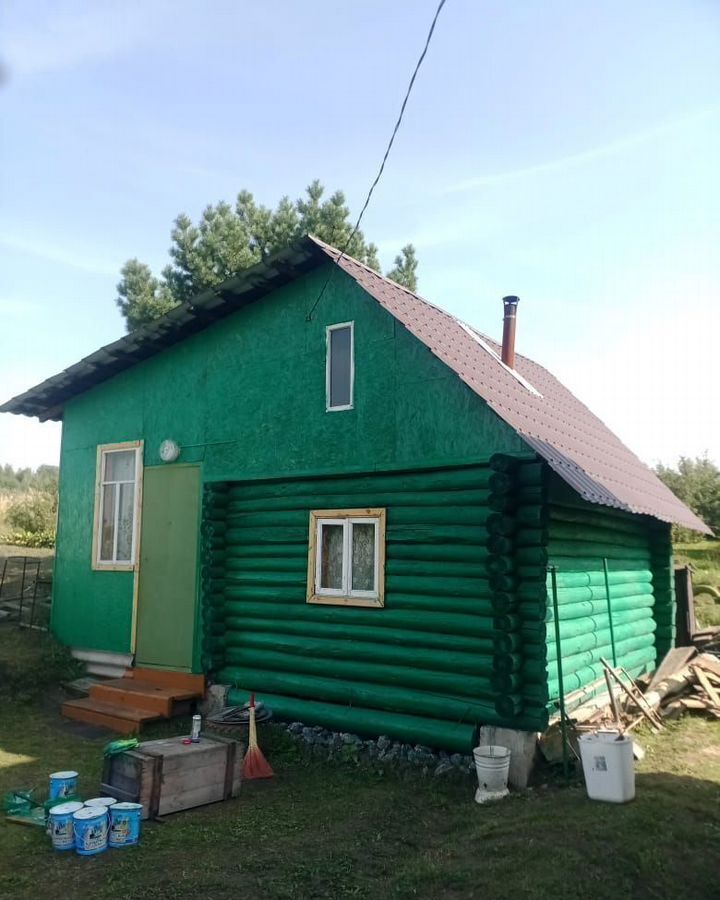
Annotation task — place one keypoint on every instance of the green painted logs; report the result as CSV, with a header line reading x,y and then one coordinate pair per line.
x,y
369,632
638,660
596,576
595,551
460,478
359,652
438,682
306,502
572,627
597,592
390,698
571,664
371,722
434,622
582,608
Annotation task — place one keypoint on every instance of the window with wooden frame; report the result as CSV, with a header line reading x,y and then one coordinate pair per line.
x,y
340,366
346,559
117,506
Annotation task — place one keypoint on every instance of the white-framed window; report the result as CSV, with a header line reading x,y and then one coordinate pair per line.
x,y
340,366
118,490
346,558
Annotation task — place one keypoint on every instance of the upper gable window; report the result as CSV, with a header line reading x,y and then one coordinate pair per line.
x,y
340,366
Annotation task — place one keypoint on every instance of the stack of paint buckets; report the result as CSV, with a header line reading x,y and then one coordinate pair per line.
x,y
93,826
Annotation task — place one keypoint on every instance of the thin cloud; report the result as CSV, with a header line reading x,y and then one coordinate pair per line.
x,y
614,148
58,254
64,35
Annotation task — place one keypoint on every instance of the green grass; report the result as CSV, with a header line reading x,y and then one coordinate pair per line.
x,y
328,830
704,557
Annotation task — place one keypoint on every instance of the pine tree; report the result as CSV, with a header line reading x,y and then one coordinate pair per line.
x,y
405,269
229,239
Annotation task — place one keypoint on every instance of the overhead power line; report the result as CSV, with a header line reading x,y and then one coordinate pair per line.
x,y
386,154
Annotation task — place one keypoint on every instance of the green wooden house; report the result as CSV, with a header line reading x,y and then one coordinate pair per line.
x,y
312,484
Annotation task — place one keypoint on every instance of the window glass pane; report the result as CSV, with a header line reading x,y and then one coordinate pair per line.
x,y
107,525
340,364
125,522
120,465
331,556
363,557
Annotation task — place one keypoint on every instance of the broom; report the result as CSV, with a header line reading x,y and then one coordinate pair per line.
x,y
255,764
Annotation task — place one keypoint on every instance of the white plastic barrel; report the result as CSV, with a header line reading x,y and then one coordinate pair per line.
x,y
492,764
608,766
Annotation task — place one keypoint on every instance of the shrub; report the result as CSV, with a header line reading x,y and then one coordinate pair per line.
x,y
33,512
34,539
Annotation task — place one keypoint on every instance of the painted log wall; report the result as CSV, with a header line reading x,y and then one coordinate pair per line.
x,y
423,668
517,535
640,620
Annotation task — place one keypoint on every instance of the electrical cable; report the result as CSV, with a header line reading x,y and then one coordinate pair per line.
x,y
385,157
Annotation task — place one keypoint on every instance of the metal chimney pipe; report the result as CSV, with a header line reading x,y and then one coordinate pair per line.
x,y
508,341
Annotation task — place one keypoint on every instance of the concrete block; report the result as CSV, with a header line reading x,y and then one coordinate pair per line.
x,y
522,746
215,699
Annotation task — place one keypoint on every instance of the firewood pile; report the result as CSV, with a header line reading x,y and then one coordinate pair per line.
x,y
696,688
685,681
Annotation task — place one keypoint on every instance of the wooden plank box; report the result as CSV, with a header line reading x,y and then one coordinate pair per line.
x,y
167,775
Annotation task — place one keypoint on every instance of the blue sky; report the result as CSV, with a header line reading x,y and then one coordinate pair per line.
x,y
561,151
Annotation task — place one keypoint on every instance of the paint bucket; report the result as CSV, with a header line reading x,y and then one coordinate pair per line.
x,y
90,825
63,785
107,802
492,764
60,825
125,819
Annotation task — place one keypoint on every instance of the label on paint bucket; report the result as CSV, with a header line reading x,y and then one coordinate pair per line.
x,y
63,785
60,825
125,819
90,825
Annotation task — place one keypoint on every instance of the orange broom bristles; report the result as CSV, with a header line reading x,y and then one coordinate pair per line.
x,y
255,765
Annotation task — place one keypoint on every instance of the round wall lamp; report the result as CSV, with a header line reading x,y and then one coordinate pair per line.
x,y
169,451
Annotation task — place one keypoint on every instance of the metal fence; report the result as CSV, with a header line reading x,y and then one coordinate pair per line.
x,y
25,592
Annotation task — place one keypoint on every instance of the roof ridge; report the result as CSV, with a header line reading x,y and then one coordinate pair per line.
x,y
341,254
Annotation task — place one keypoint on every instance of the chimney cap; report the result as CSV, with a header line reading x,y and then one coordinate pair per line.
x,y
511,300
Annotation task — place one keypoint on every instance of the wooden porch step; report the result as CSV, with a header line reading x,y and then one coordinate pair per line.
x,y
117,717
144,695
168,679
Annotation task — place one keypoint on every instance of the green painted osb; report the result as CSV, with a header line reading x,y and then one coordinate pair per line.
x,y
91,610
246,398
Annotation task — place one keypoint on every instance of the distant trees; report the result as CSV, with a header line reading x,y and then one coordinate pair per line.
x,y
44,478
229,238
697,483
28,506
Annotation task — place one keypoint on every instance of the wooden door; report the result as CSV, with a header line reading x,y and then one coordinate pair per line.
x,y
167,589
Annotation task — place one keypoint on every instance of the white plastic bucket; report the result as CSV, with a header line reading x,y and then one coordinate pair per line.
x,y
492,764
608,766
60,825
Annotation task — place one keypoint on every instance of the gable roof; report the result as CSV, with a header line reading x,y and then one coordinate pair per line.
x,y
554,423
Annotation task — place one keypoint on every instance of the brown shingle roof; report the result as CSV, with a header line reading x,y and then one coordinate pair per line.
x,y
575,443
561,429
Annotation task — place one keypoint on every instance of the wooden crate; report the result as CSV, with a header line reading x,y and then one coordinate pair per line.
x,y
167,775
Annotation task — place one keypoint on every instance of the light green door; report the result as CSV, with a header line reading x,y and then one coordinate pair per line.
x,y
167,591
